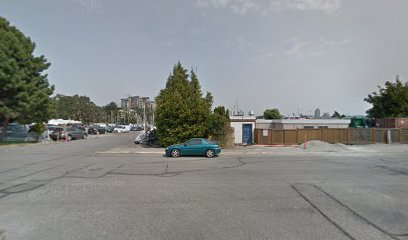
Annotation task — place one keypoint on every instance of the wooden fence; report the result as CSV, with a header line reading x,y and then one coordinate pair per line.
x,y
343,135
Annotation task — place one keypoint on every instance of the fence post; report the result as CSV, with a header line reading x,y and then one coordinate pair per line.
x,y
400,138
305,142
374,135
389,136
297,136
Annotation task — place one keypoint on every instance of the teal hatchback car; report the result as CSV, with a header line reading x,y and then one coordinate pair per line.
x,y
194,147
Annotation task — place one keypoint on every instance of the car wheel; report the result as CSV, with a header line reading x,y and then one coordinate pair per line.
x,y
210,153
69,137
175,153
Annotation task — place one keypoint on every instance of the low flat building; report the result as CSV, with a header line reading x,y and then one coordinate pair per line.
x,y
280,124
244,127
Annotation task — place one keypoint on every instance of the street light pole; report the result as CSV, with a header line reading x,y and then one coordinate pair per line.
x,y
144,113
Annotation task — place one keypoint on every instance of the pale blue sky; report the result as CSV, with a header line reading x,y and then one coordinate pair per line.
x,y
290,54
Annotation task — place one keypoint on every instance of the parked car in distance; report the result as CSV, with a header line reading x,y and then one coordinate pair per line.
x,y
68,133
137,128
50,129
92,130
18,132
101,129
96,130
194,147
110,129
122,129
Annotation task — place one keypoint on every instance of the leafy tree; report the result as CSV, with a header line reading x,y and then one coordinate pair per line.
x,y
111,111
272,114
209,98
221,110
219,125
338,115
24,88
182,112
390,101
37,130
79,108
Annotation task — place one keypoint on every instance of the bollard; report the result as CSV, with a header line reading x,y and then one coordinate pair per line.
x,y
66,136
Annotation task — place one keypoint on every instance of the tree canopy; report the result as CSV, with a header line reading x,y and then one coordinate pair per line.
x,y
272,113
79,108
182,111
390,101
111,111
338,115
25,91
219,125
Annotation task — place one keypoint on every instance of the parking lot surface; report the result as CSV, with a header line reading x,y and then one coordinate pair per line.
x,y
106,187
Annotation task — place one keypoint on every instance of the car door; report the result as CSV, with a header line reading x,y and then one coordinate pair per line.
x,y
76,133
193,147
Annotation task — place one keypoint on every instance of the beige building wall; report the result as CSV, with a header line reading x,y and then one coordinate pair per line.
x,y
237,123
301,123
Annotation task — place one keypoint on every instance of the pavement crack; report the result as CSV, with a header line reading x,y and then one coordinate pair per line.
x,y
42,170
358,215
342,230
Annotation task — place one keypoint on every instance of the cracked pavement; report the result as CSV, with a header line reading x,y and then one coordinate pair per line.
x,y
84,190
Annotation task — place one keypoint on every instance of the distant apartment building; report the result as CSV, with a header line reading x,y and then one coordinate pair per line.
x,y
136,102
136,109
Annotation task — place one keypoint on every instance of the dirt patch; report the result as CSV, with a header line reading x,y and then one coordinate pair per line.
x,y
320,146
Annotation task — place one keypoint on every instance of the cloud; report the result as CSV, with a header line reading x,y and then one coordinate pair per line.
x,y
300,48
327,6
236,6
268,6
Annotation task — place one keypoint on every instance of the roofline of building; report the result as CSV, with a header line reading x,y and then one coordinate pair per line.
x,y
305,121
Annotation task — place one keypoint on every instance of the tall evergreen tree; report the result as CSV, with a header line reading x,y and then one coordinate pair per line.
x,y
24,88
182,112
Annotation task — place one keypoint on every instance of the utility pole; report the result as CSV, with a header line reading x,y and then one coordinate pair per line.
x,y
152,116
144,113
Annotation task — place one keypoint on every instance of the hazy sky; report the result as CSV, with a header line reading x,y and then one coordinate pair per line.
x,y
289,54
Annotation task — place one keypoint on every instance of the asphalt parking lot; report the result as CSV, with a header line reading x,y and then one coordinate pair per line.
x,y
108,188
